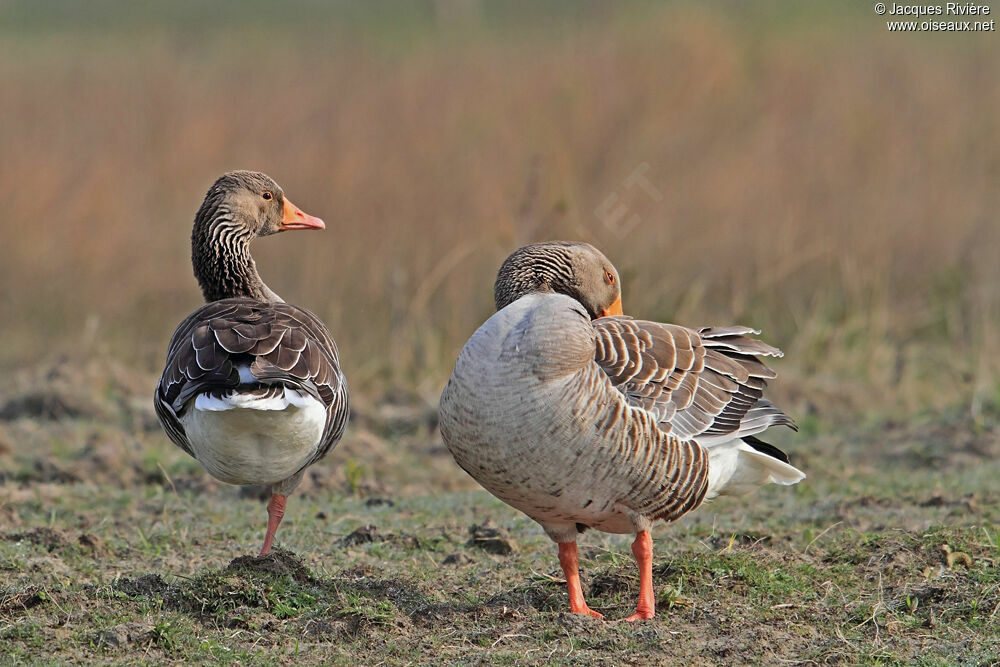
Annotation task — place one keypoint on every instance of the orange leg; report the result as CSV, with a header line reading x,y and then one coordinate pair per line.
x,y
570,562
642,549
275,512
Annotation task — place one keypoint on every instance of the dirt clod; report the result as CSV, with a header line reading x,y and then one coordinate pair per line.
x,y
46,472
490,539
92,542
23,600
362,535
327,629
579,623
738,539
457,558
109,637
534,596
123,634
610,582
43,537
144,586
46,405
358,572
408,541
278,562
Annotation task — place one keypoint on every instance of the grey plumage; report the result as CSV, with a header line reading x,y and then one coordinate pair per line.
x,y
583,420
533,417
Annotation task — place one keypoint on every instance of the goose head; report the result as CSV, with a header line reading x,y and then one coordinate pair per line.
x,y
253,201
578,270
239,207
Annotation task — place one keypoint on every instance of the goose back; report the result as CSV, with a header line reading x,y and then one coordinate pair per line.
x,y
280,344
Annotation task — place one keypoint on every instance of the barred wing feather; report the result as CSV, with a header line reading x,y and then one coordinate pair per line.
x,y
706,383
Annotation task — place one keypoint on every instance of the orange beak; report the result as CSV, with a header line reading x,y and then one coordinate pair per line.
x,y
613,309
293,217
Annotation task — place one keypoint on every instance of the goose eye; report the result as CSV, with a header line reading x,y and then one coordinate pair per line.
x,y
611,278
268,196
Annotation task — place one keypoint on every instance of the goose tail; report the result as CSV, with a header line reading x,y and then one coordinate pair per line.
x,y
741,465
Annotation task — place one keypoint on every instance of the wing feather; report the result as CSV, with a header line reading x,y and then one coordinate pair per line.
x,y
706,382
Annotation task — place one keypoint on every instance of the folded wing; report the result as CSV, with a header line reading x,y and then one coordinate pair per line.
x,y
707,383
280,344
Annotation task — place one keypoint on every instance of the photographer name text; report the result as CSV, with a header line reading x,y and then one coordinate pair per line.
x,y
950,10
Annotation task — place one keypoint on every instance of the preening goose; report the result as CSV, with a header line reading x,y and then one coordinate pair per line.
x,y
252,386
583,418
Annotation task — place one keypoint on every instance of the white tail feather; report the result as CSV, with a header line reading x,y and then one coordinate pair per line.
x,y
736,468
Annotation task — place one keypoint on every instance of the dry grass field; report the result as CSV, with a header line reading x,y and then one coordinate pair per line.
x,y
790,166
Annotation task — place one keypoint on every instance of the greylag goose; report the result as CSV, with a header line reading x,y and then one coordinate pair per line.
x,y
252,386
583,418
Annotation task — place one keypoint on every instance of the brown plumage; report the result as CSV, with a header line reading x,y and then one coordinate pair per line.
x,y
693,382
283,346
252,386
581,417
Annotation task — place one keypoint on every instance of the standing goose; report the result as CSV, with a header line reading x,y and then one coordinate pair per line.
x,y
252,386
583,418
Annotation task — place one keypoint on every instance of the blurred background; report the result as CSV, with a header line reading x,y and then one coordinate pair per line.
x,y
790,166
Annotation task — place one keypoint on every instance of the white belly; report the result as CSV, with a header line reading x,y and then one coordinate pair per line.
x,y
241,441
